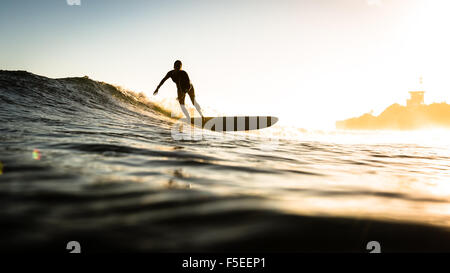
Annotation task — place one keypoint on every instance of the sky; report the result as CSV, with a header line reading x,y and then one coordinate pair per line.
x,y
308,62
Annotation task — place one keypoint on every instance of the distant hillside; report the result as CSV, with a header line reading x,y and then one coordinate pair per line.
x,y
398,117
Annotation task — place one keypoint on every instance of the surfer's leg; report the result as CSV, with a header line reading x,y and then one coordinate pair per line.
x,y
181,97
185,111
191,93
197,106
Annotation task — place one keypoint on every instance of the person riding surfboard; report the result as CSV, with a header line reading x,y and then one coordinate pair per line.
x,y
184,85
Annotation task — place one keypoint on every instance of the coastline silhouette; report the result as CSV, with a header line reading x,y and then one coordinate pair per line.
x,y
415,115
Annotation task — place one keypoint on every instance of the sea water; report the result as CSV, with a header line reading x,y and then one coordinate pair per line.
x,y
85,161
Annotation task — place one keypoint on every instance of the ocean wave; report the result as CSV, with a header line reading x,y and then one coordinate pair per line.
x,y
68,96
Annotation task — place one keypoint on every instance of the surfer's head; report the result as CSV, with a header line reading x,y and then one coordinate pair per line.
x,y
177,65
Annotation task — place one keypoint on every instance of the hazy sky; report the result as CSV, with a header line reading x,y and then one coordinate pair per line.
x,y
309,62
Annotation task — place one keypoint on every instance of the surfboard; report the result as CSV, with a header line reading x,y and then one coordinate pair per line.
x,y
233,123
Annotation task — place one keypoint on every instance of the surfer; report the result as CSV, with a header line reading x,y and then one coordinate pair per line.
x,y
184,85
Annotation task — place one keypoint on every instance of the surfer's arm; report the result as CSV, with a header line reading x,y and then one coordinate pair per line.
x,y
161,83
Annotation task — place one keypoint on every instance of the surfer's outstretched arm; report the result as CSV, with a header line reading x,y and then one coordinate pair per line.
x,y
161,83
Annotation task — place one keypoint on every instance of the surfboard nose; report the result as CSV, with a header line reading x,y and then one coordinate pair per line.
x,y
272,120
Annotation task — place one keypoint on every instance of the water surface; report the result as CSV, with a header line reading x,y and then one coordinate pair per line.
x,y
83,160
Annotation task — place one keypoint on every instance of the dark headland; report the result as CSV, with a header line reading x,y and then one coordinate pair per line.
x,y
415,115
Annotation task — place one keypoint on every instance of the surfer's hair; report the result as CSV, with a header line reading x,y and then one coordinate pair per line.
x,y
177,64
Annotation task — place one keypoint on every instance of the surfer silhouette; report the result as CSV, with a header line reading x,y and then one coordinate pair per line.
x,y
184,85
